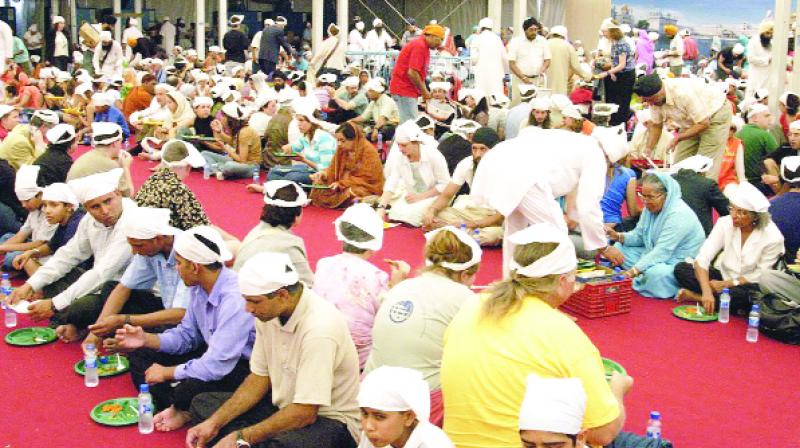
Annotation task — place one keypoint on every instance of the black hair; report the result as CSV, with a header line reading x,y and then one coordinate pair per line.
x,y
347,129
282,216
352,232
792,104
293,290
62,147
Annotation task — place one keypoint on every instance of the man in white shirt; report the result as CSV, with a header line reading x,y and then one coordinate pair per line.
x,y
489,59
528,56
108,56
167,32
675,54
99,235
416,178
483,223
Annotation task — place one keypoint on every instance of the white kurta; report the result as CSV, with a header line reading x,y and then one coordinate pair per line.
x,y
6,45
760,60
110,249
489,62
534,174
110,65
167,32
433,173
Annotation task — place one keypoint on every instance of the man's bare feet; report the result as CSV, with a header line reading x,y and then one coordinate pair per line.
x,y
684,295
171,419
69,333
254,188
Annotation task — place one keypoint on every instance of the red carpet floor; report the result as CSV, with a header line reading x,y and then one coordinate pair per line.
x,y
712,388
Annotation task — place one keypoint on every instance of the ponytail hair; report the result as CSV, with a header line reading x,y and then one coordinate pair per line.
x,y
506,296
446,247
792,104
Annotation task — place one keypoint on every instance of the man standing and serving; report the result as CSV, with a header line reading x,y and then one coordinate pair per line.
x,y
489,59
699,110
408,78
529,56
272,40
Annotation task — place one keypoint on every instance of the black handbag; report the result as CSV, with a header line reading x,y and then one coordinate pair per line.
x,y
780,318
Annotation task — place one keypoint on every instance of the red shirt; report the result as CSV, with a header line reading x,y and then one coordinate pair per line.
x,y
415,55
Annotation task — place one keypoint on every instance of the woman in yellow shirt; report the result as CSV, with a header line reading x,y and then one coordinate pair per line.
x,y
496,341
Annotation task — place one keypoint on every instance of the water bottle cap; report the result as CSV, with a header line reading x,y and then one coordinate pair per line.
x,y
5,275
90,347
756,307
726,291
655,415
144,388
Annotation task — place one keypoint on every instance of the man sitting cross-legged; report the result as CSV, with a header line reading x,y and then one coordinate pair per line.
x,y
209,350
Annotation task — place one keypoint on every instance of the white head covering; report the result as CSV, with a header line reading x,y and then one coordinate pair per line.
x,y
60,133
375,85
214,49
259,121
47,116
366,219
486,23
269,22
748,197
235,111
755,109
5,109
760,94
571,112
790,169
202,101
350,81
272,186
193,158
463,126
409,132
696,163
105,133
25,185
396,389
738,49
58,19
476,94
613,141
561,261
653,36
280,20
105,36
146,223
560,101
441,85
267,272
46,73
63,76
540,103
102,99
561,30
464,238
377,22
59,192
236,19
554,405
329,78
81,89
95,185
499,99
306,106
527,90
359,25
193,245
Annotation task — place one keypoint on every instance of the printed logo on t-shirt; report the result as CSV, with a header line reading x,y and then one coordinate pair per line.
x,y
401,311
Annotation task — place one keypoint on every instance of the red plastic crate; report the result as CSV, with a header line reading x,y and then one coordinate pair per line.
x,y
601,299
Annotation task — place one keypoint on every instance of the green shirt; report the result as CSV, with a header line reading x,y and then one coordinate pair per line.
x,y
359,102
384,107
20,51
757,143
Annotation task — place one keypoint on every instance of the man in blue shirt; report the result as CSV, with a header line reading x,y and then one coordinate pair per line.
x,y
104,110
132,300
216,334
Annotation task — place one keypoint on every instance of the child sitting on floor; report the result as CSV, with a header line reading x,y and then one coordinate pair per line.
x,y
351,282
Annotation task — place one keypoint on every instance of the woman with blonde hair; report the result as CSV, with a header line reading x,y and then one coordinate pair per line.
x,y
410,324
515,329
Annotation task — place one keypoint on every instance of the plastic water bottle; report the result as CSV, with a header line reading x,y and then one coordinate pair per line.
x,y
145,410
257,177
724,315
654,426
10,316
90,378
206,172
752,323
379,145
5,283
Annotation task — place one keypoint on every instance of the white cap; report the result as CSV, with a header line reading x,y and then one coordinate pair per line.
x,y
146,223
527,90
193,157
271,188
359,25
105,36
464,126
793,126
58,19
60,133
202,101
408,132
738,49
561,30
696,163
46,115
464,238
264,98
613,141
350,81
499,99
377,22
329,78
235,111
281,20
653,36
306,106
202,245
790,169
560,101
476,94
396,389
486,23
267,272
5,109
748,197
269,22
366,219
215,49
102,99
554,405
236,19
541,104
59,192
231,96
81,89
96,185
375,85
561,261
755,109
571,112
105,133
25,185
47,73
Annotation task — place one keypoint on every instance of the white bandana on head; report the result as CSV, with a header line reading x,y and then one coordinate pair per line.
x,y
61,133
95,185
105,133
202,245
267,272
396,389
790,169
25,185
554,405
464,238
748,197
696,163
366,219
561,261
146,223
272,186
59,192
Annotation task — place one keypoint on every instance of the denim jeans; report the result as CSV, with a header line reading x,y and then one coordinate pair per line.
x,y
229,168
300,174
9,257
407,107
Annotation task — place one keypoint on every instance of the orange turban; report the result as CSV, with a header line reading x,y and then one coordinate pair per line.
x,y
671,30
434,30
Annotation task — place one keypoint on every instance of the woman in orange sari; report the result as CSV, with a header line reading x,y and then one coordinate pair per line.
x,y
356,171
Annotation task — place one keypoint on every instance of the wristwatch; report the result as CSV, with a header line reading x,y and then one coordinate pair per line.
x,y
240,442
